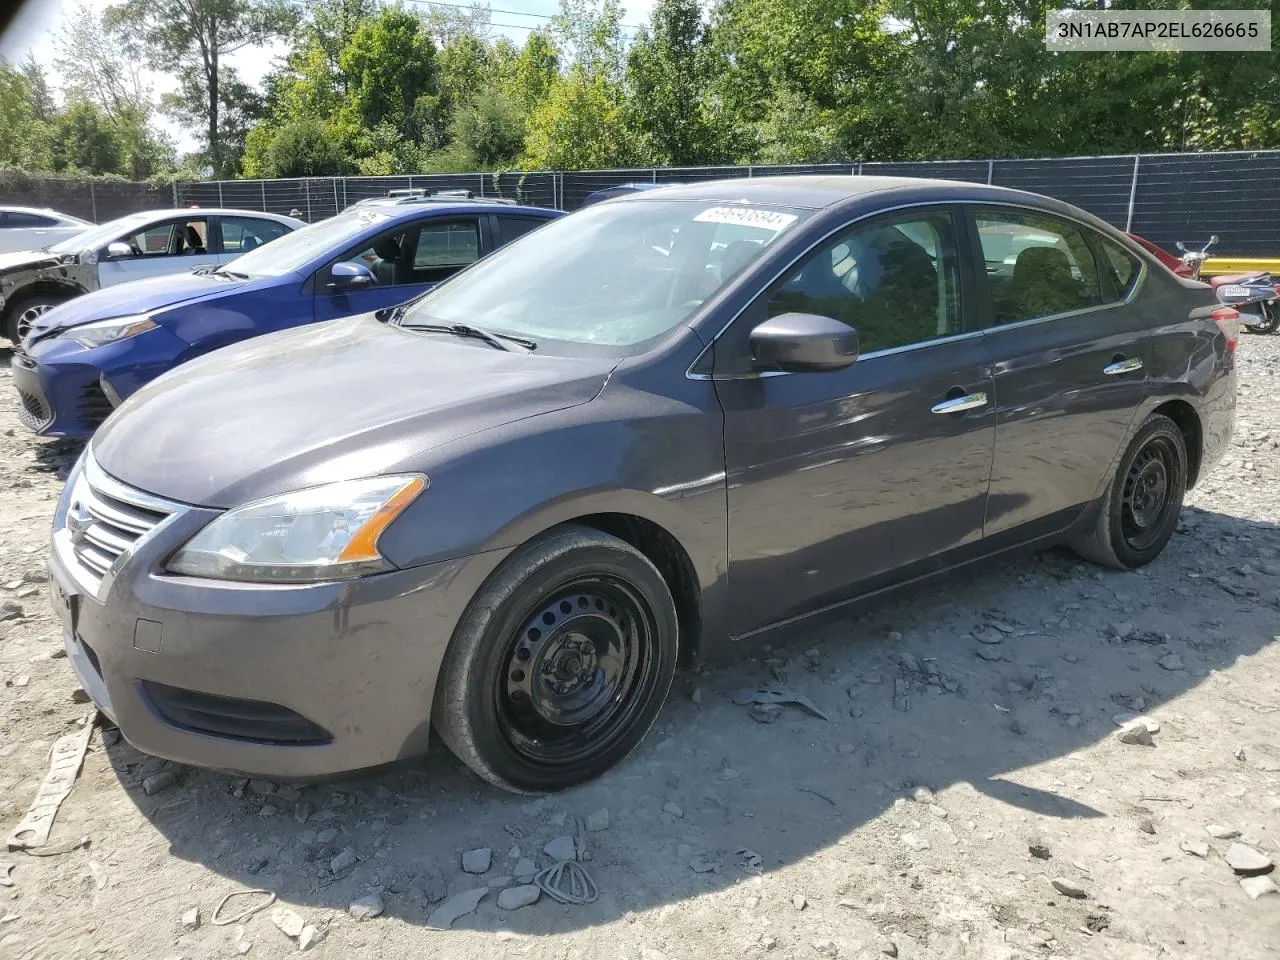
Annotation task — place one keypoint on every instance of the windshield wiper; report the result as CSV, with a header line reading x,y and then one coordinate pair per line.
x,y
472,332
233,274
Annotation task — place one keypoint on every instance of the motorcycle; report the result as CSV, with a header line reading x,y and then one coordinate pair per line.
x,y
1194,259
1256,296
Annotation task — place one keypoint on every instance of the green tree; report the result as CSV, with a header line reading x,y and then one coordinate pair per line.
x,y
43,106
578,126
86,140
389,64
533,72
302,148
24,141
667,72
191,40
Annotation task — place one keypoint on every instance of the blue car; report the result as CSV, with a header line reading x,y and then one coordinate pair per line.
x,y
82,358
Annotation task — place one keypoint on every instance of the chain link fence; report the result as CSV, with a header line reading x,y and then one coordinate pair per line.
x,y
1163,197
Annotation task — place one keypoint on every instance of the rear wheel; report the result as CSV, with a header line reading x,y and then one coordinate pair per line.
x,y
1143,501
26,311
561,663
1268,318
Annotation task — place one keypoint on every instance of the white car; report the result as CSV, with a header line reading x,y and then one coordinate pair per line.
x,y
29,228
130,248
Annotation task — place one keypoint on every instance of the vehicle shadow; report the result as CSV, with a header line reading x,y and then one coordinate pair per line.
x,y
712,797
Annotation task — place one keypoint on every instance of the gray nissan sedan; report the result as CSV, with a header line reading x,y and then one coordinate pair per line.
x,y
636,438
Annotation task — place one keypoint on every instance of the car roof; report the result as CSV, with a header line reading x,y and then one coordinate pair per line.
x,y
43,212
816,192
215,211
405,211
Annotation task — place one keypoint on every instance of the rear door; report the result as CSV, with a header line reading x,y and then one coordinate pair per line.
x,y
1070,354
406,260
236,235
173,246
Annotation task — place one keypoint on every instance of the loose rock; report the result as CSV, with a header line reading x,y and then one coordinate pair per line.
x,y
1197,848
366,908
191,919
674,809
561,848
459,905
525,869
916,842
1243,859
288,922
310,936
477,861
887,947
1171,661
343,862
826,947
1219,832
598,821
1069,889
513,898
1257,887
1136,735
159,781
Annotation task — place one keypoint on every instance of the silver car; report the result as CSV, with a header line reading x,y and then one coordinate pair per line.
x,y
30,228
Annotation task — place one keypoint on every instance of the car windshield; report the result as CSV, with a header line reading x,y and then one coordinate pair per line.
x,y
295,250
98,236
613,275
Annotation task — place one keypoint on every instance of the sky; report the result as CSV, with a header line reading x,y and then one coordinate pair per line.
x,y
34,31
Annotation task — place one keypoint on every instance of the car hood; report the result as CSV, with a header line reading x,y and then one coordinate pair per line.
x,y
26,259
137,296
334,401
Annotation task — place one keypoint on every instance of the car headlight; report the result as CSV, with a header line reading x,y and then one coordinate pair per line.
x,y
102,332
322,533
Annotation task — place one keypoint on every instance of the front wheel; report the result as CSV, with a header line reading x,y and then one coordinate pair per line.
x,y
26,311
1143,501
560,664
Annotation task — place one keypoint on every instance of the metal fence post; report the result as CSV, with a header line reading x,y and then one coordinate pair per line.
x,y
263,184
654,175
175,194
306,189
991,169
481,176
1133,194
220,203
93,205
751,172
336,208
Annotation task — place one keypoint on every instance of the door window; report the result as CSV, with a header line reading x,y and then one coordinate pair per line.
x,y
390,258
511,228
1036,266
896,282
242,234
183,238
447,246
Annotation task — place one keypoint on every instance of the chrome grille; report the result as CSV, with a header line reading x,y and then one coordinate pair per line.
x,y
103,521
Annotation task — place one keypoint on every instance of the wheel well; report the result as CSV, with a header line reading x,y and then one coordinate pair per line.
x,y
1188,421
34,289
664,552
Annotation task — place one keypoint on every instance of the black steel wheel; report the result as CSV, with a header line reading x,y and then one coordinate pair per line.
x,y
561,663
1142,503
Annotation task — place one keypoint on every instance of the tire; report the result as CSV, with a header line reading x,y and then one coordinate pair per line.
x,y
595,623
25,310
1269,317
1143,500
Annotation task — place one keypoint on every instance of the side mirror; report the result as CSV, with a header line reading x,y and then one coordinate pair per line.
x,y
1213,238
1181,246
801,342
349,275
119,250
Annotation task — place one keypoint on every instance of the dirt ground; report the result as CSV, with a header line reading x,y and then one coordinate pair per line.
x,y
968,760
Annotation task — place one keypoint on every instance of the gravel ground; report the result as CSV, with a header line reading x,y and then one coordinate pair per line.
x,y
967,794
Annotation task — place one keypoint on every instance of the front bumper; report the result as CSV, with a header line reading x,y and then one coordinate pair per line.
x,y
285,681
66,390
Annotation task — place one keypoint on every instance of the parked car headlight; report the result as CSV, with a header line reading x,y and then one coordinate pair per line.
x,y
102,332
322,533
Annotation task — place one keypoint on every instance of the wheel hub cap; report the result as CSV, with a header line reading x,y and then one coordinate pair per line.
x,y
28,317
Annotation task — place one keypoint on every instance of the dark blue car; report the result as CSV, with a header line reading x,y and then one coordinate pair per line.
x,y
85,356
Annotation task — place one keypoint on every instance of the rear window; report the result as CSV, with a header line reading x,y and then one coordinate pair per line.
x,y
1121,265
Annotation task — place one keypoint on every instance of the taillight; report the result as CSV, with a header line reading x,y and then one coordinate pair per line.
x,y
1277,288
1228,321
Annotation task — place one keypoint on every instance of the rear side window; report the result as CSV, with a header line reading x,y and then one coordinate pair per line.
x,y
27,220
452,244
1121,266
509,228
1036,266
242,234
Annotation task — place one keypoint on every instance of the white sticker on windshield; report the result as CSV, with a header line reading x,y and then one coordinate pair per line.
x,y
748,217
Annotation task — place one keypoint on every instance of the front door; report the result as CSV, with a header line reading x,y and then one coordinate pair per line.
x,y
405,262
837,481
1070,356
175,246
